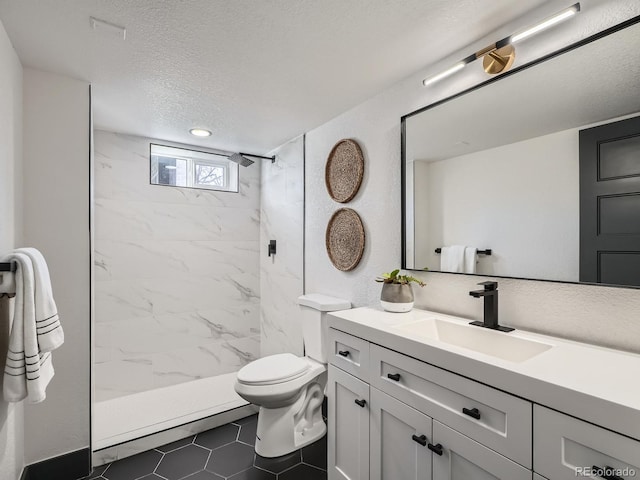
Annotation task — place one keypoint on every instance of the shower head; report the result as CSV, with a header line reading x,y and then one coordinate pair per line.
x,y
241,160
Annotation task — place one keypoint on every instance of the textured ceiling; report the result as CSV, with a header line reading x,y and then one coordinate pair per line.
x,y
255,72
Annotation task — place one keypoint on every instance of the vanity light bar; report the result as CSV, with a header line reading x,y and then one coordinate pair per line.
x,y
446,73
549,22
491,49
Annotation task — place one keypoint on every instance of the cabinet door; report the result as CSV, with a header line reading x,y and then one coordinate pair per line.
x,y
348,436
398,433
565,448
465,459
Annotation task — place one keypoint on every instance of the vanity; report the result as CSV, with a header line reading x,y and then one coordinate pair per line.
x,y
423,395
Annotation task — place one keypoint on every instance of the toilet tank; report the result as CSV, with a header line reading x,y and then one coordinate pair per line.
x,y
313,314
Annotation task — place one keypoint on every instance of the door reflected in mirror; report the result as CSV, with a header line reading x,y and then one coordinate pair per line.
x,y
542,167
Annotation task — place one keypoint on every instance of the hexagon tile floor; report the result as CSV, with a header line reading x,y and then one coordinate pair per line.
x,y
225,452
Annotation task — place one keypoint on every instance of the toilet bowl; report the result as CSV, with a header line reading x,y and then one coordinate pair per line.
x,y
290,389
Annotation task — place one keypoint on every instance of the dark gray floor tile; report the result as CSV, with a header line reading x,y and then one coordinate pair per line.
x,y
316,453
133,467
97,472
251,418
253,474
177,444
305,472
248,433
278,464
153,476
231,459
204,475
218,436
183,462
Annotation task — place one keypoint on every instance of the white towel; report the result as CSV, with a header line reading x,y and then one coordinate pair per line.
x,y
29,368
49,330
470,259
452,259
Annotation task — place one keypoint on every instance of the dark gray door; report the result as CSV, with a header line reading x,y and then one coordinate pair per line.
x,y
610,203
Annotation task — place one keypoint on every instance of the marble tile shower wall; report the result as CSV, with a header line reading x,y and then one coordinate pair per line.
x,y
177,289
282,218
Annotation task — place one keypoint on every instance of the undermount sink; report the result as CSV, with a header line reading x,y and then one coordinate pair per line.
x,y
488,342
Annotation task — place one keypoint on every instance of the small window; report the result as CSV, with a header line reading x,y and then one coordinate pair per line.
x,y
180,167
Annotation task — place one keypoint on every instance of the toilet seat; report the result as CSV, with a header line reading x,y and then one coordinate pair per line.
x,y
273,370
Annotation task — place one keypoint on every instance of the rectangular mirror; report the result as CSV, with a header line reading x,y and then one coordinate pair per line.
x,y
541,167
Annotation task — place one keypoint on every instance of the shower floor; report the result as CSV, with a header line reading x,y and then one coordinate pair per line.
x,y
122,419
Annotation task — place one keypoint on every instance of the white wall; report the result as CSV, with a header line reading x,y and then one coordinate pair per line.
x,y
595,314
177,292
521,200
281,219
56,221
11,415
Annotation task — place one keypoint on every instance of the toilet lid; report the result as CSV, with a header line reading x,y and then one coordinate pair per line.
x,y
273,369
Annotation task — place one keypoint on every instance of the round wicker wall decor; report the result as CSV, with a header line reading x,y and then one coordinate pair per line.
x,y
344,170
345,239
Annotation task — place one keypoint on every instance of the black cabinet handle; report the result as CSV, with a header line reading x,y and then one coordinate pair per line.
x,y
394,376
344,353
474,412
361,403
437,449
422,439
600,472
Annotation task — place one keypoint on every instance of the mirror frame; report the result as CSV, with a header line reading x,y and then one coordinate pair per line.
x,y
403,138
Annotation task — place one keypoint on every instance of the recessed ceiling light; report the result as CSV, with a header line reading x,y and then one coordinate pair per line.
x,y
200,132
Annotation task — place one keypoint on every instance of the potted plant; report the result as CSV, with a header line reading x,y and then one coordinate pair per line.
x,y
397,294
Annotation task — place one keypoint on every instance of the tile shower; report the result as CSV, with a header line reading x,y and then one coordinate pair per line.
x,y
176,283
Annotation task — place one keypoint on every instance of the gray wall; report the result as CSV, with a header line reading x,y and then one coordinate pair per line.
x,y
56,221
602,315
11,415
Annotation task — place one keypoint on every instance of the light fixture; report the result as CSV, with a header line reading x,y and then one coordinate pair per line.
x,y
200,132
500,56
547,23
446,73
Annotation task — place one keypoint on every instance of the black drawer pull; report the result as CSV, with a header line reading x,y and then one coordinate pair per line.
x,y
474,412
422,439
602,471
344,353
394,376
361,403
437,449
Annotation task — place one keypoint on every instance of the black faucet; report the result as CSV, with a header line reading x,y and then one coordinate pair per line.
x,y
490,294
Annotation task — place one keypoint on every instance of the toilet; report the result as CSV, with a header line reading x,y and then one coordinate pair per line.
x,y
289,389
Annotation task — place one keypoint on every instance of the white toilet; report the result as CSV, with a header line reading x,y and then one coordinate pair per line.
x,y
289,389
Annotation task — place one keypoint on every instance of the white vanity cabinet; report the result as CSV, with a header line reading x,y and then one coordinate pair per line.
x,y
400,436
564,446
385,431
465,459
348,429
570,411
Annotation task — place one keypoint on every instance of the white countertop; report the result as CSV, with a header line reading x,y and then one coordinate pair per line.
x,y
597,384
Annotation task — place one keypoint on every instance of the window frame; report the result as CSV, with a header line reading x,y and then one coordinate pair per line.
x,y
198,157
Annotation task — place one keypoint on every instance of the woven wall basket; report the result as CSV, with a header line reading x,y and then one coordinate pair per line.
x,y
344,170
345,239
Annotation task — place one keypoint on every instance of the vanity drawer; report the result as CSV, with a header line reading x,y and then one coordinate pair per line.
x,y
349,353
504,422
563,444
